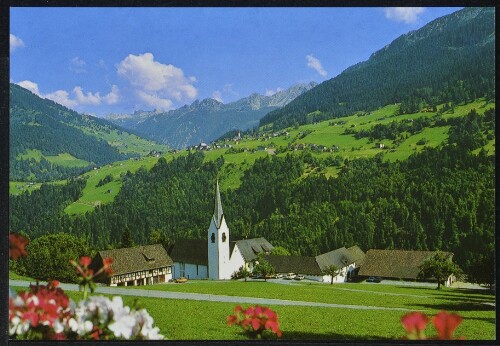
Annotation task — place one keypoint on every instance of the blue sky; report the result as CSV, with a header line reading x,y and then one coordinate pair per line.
x,y
117,60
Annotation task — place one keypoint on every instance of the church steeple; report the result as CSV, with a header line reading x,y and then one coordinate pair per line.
x,y
218,213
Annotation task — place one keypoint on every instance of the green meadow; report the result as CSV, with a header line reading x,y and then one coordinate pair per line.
x,y
203,320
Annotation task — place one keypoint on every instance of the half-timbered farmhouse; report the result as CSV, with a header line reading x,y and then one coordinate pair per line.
x,y
135,266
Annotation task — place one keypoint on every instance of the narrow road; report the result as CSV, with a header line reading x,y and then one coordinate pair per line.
x,y
207,297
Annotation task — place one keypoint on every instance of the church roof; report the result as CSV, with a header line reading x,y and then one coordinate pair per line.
x,y
138,258
339,258
192,251
218,213
250,248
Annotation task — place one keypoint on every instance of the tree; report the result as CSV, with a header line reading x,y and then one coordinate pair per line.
x,y
331,270
241,273
263,268
280,251
158,237
438,266
127,240
49,256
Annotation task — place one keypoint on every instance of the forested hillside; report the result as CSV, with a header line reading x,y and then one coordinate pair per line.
x,y
440,198
45,127
451,59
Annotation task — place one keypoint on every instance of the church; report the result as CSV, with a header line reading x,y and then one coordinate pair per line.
x,y
217,257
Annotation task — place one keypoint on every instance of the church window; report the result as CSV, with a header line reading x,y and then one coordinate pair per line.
x,y
223,237
213,238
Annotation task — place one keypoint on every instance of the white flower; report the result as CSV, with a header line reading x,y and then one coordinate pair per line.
x,y
17,326
123,326
33,299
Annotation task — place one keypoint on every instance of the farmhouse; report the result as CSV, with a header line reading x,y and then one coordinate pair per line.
x,y
346,260
304,265
397,264
139,265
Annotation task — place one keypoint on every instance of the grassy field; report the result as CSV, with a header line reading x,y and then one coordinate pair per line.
x,y
126,142
200,320
94,196
326,133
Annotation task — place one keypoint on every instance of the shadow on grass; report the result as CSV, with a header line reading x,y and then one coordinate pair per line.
x,y
298,335
491,320
456,306
460,293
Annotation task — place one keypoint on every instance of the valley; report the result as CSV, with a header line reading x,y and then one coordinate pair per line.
x,y
187,169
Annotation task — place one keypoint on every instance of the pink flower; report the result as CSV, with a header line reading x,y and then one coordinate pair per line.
x,y
445,324
414,322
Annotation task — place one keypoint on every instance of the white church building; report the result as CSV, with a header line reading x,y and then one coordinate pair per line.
x,y
217,258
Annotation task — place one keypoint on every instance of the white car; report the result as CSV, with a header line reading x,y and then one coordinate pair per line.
x,y
290,276
278,276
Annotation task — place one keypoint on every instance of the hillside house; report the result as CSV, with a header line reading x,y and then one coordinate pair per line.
x,y
135,266
397,264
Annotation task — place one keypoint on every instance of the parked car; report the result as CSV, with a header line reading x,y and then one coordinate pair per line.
x,y
299,277
181,280
373,279
278,276
289,276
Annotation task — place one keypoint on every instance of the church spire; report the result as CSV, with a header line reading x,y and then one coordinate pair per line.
x,y
218,213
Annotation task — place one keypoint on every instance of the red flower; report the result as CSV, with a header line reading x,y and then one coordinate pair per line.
x,y
414,322
446,324
107,265
85,261
17,245
255,320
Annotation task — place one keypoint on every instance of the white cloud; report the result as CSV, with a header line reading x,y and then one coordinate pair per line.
x,y
113,96
31,86
407,15
217,95
156,82
272,92
315,64
15,42
86,99
61,97
154,100
80,98
78,65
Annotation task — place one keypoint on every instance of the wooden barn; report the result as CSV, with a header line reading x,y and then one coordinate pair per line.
x,y
135,266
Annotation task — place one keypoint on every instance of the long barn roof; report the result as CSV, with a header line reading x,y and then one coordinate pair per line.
x,y
399,264
138,258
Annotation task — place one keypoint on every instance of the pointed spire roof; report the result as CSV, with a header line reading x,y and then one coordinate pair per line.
x,y
218,213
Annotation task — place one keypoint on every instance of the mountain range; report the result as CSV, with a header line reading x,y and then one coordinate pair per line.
x,y
206,120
